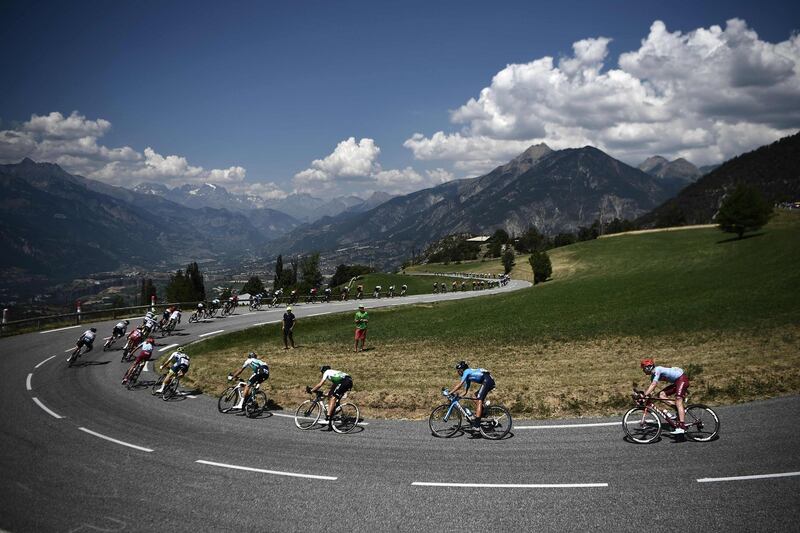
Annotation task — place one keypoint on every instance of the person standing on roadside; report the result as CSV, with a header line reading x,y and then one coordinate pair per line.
x,y
287,326
361,320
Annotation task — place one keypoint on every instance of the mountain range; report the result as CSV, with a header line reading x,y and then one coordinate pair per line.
x,y
554,190
300,207
773,169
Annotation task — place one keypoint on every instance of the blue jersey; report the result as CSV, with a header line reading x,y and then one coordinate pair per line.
x,y
473,375
664,373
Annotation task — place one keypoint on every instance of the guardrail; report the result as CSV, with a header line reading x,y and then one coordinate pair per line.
x,y
11,327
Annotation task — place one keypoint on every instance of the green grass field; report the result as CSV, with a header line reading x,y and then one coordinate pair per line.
x,y
725,310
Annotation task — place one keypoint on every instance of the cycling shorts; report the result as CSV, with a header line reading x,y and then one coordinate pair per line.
x,y
340,388
118,332
486,386
177,367
259,376
678,389
83,342
143,356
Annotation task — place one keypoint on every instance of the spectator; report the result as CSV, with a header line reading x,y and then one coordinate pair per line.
x,y
287,327
361,320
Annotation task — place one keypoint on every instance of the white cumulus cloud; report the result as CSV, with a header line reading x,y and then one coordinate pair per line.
x,y
706,95
72,142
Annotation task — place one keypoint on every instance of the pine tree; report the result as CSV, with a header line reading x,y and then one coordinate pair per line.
x,y
508,260
253,286
196,280
542,268
277,283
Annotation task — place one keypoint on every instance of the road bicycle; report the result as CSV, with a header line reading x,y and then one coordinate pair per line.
x,y
133,377
169,328
227,308
170,391
643,424
254,405
345,415
110,342
446,419
76,353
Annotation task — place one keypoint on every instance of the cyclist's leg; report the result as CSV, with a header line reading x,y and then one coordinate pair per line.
x,y
486,388
681,386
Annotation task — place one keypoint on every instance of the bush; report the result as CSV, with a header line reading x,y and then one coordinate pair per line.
x,y
508,260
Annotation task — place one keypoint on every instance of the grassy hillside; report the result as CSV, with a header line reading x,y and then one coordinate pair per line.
x,y
725,310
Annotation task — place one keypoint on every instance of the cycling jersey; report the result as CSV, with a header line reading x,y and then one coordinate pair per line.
x,y
121,326
178,358
667,374
150,324
135,335
335,376
88,336
473,375
175,315
147,347
254,364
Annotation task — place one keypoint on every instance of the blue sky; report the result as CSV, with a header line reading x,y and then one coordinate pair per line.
x,y
259,90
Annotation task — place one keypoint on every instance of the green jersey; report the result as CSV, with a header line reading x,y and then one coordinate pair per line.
x,y
335,376
361,319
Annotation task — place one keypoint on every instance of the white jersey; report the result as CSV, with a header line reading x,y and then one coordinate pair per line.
x,y
178,358
88,335
121,326
176,315
147,347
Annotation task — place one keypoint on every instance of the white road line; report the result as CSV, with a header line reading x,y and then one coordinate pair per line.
x,y
746,478
211,333
513,485
265,323
59,329
28,382
562,426
43,362
165,348
46,410
115,441
145,365
316,314
262,471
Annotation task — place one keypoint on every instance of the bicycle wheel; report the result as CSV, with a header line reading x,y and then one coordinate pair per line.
x,y
228,399
495,423
72,358
441,424
157,384
702,424
307,414
641,426
134,377
345,419
256,405
171,390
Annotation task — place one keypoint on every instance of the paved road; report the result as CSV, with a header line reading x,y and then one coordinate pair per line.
x,y
62,474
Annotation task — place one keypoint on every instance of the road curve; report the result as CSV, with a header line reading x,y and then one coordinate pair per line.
x,y
80,452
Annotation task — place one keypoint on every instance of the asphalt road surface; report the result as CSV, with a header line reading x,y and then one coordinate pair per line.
x,y
82,453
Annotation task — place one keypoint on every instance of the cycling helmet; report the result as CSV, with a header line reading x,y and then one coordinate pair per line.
x,y
127,322
252,355
648,364
324,368
93,330
461,366
151,340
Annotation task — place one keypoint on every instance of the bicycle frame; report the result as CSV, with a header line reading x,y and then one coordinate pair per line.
x,y
649,404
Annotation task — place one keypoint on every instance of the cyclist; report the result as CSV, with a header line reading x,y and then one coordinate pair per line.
x,y
679,384
276,296
134,338
175,317
149,326
215,304
179,366
343,292
435,287
391,291
119,329
455,286
293,296
443,287
327,294
377,292
340,384
87,339
144,355
359,292
475,375
201,308
403,290
165,316
260,374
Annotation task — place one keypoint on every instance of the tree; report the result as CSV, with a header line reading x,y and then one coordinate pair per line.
x,y
310,276
179,288
508,260
196,280
671,216
291,275
542,268
277,282
531,240
345,273
501,236
743,210
253,286
563,239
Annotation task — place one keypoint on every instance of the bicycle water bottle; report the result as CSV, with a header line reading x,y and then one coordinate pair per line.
x,y
466,410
